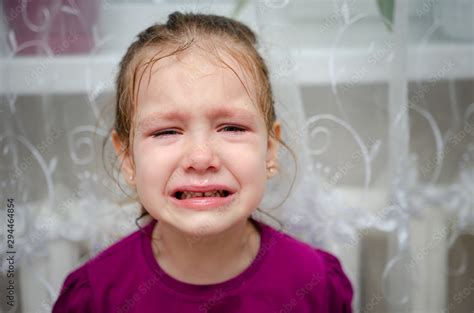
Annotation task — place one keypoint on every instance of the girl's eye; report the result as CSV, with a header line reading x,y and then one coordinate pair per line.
x,y
235,129
165,132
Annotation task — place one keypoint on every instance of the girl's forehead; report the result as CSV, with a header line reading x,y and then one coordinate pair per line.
x,y
195,80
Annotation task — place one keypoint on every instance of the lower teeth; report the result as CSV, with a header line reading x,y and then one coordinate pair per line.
x,y
188,197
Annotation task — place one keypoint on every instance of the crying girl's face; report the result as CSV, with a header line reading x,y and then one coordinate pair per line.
x,y
198,130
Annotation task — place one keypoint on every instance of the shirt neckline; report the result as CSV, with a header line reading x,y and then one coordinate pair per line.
x,y
198,291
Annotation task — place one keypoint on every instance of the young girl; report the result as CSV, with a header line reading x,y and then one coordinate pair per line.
x,y
197,137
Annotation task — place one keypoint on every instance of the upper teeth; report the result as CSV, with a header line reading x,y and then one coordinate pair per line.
x,y
191,194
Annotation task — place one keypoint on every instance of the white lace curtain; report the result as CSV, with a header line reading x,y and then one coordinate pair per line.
x,y
379,111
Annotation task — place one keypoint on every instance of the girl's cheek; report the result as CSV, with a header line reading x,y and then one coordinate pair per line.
x,y
246,159
149,161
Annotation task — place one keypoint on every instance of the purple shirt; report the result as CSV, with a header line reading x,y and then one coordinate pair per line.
x,y
286,276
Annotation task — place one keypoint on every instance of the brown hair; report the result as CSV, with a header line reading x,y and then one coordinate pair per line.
x,y
179,33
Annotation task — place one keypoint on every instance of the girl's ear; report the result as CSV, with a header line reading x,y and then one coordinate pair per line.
x,y
126,168
273,144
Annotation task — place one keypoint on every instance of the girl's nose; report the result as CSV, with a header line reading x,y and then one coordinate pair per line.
x,y
201,157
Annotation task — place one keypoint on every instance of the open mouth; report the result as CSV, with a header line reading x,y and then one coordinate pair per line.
x,y
182,195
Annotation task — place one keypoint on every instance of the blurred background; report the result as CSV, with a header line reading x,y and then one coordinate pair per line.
x,y
376,97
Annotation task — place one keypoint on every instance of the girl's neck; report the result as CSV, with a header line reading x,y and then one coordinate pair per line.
x,y
205,259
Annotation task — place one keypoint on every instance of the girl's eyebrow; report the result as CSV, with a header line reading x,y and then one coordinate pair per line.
x,y
182,115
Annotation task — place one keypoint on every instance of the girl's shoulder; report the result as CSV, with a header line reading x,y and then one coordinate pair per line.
x,y
76,293
311,264
340,290
299,250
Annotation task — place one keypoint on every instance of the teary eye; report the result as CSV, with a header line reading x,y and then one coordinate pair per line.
x,y
230,128
234,129
164,132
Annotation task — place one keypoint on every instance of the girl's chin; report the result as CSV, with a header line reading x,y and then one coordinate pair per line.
x,y
203,226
